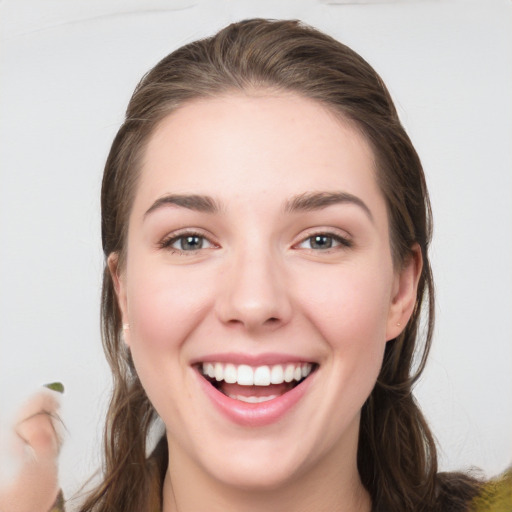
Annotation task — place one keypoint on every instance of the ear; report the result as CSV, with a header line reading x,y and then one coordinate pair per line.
x,y
403,298
118,278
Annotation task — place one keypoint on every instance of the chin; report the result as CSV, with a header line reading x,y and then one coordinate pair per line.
x,y
257,478
265,465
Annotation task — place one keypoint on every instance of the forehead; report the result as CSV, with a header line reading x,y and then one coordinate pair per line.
x,y
243,146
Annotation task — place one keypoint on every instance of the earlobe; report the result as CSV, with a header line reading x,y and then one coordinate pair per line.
x,y
405,289
120,289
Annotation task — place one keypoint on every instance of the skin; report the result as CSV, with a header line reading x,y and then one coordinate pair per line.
x,y
258,285
35,486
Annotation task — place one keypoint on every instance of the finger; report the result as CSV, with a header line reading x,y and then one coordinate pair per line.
x,y
39,433
39,426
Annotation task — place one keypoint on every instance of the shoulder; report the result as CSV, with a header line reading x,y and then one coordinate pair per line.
x,y
460,492
495,495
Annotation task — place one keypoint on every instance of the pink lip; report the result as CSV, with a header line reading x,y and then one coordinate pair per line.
x,y
251,360
259,414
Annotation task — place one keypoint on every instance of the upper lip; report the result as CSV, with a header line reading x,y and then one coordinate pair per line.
x,y
252,359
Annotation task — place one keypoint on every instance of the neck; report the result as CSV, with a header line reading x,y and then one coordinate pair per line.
x,y
328,487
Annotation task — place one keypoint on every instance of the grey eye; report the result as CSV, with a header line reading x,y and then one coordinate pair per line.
x,y
320,242
189,243
324,242
186,242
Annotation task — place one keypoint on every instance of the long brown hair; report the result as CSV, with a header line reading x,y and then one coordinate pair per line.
x,y
396,454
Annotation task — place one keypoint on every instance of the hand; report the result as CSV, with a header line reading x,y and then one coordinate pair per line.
x,y
35,486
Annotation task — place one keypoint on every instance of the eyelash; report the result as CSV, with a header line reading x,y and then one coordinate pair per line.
x,y
169,241
342,241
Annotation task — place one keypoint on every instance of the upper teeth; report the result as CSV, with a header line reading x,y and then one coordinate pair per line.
x,y
246,375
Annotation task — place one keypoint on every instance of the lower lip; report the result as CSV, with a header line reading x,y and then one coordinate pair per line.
x,y
259,414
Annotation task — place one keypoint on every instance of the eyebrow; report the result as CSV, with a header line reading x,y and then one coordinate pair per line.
x,y
310,201
195,202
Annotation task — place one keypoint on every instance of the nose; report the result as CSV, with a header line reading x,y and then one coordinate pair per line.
x,y
254,294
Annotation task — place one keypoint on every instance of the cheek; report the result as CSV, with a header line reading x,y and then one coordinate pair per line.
x,y
164,305
350,306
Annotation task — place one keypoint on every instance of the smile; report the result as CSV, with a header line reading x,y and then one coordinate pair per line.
x,y
255,395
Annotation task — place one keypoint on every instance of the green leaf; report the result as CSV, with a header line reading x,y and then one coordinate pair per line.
x,y
55,386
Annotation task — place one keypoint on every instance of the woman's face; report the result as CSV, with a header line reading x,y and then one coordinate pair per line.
x,y
258,254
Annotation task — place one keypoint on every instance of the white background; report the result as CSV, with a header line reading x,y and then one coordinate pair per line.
x,y
68,69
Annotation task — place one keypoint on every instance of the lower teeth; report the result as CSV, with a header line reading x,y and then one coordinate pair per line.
x,y
252,399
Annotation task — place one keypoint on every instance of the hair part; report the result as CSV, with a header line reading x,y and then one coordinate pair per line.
x,y
397,458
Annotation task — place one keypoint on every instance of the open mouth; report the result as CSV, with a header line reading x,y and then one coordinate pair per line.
x,y
255,384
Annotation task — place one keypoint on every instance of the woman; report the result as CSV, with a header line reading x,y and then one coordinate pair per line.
x,y
273,277
265,223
